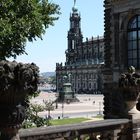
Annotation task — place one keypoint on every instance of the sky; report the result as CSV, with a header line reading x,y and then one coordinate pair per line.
x,y
51,50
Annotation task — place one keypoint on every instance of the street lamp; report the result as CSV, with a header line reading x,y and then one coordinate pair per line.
x,y
62,109
56,101
99,108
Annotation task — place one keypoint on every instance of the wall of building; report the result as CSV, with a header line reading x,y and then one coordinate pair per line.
x,y
118,14
84,78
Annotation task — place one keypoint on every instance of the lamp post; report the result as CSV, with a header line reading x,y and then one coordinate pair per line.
x,y
62,109
56,101
62,100
99,108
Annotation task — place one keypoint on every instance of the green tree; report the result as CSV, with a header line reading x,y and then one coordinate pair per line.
x,y
32,118
49,107
52,80
22,21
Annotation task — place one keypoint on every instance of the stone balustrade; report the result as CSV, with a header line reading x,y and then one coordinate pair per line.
x,y
111,129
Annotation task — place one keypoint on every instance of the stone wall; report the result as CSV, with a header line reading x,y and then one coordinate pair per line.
x,y
119,129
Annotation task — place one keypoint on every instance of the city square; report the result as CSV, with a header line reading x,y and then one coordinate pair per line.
x,y
88,106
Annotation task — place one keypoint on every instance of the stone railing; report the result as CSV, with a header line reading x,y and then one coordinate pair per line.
x,y
111,129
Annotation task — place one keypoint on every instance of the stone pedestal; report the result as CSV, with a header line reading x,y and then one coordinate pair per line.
x,y
67,95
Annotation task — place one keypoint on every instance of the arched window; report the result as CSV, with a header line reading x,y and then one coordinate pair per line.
x,y
134,42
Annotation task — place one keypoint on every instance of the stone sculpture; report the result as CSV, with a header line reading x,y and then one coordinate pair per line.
x,y
17,82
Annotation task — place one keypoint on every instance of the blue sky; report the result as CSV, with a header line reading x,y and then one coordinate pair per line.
x,y
47,52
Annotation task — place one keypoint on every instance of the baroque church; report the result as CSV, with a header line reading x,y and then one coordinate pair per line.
x,y
84,59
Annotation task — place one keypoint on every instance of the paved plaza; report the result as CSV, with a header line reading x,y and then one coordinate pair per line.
x,y
88,106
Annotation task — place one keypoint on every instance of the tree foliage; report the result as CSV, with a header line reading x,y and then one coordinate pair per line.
x,y
32,118
22,21
52,80
48,107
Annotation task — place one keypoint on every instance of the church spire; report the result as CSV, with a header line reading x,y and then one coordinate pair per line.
x,y
74,7
74,3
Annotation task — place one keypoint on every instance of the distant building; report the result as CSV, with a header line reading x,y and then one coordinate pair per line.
x,y
83,59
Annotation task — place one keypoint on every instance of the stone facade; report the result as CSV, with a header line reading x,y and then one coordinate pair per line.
x,y
122,43
84,59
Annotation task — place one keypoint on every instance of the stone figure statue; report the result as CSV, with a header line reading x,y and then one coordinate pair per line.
x,y
67,78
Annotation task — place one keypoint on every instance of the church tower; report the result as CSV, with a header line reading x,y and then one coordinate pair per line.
x,y
83,59
75,37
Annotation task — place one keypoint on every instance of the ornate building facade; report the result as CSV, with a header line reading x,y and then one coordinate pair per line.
x,y
122,44
84,59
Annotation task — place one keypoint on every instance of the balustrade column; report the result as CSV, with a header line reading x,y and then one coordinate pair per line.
x,y
115,134
93,136
71,135
105,135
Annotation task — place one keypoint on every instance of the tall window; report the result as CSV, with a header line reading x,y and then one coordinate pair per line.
x,y
134,42
73,44
72,24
